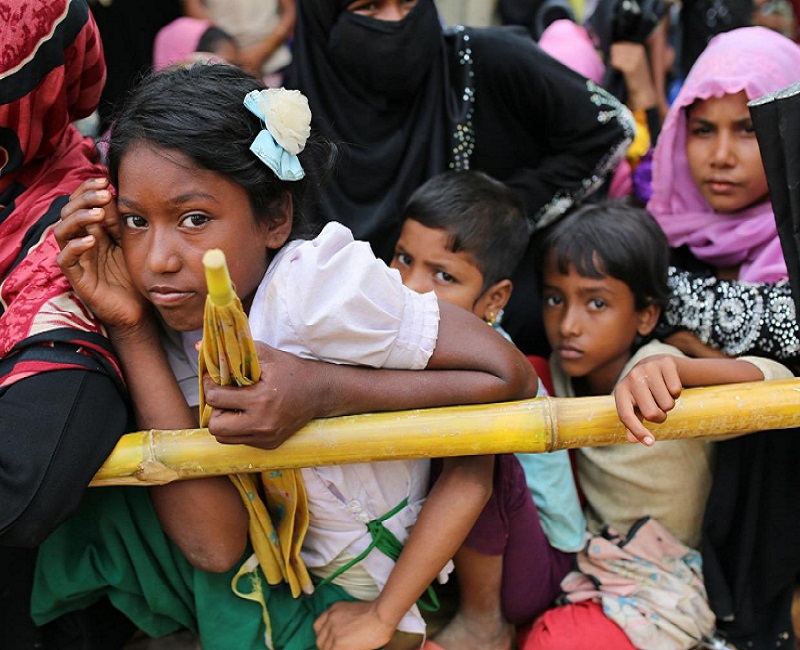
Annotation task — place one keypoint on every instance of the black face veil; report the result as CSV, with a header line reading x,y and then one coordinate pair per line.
x,y
379,90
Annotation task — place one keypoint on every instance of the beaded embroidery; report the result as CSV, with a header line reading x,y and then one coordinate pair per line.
x,y
609,108
735,317
462,139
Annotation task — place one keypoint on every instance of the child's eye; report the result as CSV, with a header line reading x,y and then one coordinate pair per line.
x,y
194,220
596,303
444,276
404,259
134,221
552,300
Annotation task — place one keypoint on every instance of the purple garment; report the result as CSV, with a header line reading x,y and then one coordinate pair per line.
x,y
642,178
509,526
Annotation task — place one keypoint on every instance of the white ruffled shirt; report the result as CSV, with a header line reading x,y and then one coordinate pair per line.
x,y
330,298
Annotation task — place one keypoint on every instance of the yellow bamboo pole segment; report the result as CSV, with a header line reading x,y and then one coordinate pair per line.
x,y
537,425
220,288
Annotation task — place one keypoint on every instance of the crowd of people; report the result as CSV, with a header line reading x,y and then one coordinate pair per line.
x,y
383,187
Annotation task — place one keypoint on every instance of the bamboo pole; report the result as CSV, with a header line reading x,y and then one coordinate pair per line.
x,y
537,425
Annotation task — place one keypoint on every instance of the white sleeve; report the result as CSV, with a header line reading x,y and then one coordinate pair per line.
x,y
332,299
769,368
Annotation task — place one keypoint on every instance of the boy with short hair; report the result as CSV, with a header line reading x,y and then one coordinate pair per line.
x,y
463,235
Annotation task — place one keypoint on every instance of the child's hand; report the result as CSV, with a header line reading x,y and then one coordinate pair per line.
x,y
647,392
93,262
352,626
267,413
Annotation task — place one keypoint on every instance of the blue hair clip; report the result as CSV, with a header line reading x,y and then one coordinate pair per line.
x,y
286,165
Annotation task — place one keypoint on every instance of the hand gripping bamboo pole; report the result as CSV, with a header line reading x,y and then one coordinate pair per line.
x,y
536,425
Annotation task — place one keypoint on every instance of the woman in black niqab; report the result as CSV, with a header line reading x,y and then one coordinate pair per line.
x,y
387,113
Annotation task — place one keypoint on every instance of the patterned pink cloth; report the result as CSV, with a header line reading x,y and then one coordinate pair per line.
x,y
758,61
649,583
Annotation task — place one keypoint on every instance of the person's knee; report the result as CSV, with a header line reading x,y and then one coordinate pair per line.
x,y
39,518
44,473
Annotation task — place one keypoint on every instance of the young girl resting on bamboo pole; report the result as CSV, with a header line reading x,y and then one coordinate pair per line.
x,y
604,282
195,168
462,237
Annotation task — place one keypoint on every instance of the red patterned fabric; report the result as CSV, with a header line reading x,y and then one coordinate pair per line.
x,y
51,73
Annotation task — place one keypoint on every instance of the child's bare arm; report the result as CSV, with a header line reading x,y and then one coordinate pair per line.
x,y
649,390
457,498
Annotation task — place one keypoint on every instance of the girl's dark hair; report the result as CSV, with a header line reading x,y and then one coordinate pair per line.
x,y
211,39
199,112
483,217
612,239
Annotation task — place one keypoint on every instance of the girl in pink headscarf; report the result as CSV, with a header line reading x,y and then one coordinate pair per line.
x,y
709,187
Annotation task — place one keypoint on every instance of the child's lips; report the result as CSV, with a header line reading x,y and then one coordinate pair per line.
x,y
569,353
168,296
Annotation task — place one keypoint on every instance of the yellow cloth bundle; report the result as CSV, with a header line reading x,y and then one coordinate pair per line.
x,y
279,522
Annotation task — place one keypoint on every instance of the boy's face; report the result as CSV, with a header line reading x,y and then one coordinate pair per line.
x,y
591,324
427,264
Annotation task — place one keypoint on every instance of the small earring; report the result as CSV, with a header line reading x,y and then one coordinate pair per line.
x,y
495,318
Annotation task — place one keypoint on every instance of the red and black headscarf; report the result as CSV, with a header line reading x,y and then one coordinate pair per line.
x,y
51,73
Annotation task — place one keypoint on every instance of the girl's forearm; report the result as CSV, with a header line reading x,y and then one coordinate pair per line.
x,y
499,371
450,511
710,372
204,517
157,398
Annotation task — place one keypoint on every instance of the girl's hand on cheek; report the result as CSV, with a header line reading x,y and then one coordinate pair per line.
x,y
267,413
647,392
93,262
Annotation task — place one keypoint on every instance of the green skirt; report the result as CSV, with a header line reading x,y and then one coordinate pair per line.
x,y
114,546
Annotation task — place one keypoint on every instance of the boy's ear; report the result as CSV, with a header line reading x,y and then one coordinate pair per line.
x,y
277,231
493,300
648,319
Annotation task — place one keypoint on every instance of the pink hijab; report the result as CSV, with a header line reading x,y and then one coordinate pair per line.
x,y
178,41
758,61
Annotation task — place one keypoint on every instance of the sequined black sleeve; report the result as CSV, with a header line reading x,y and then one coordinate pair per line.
x,y
735,317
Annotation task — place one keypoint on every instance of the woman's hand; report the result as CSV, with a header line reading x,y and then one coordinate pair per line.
x,y
92,260
352,626
647,392
267,413
631,60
